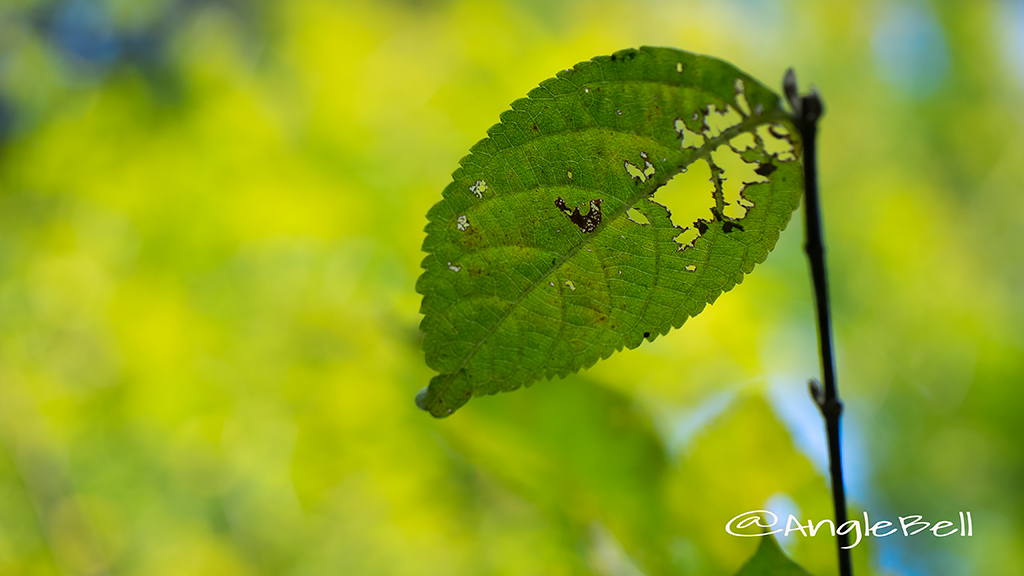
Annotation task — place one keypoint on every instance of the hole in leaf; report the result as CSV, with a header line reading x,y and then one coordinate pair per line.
x,y
741,97
687,236
689,138
571,285
688,196
737,172
690,267
718,120
775,141
743,141
637,216
479,188
462,223
679,67
634,172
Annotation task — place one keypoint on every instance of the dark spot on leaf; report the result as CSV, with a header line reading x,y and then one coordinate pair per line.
x,y
534,127
627,54
729,226
702,225
647,334
766,169
585,222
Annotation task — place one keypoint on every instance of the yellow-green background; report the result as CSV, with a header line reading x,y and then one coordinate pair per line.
x,y
210,226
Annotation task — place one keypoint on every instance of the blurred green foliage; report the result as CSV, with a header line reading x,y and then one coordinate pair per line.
x,y
770,561
210,227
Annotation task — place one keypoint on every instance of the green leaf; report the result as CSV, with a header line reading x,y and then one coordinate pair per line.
x,y
770,560
550,249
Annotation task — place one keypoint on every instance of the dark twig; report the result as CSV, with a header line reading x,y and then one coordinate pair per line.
x,y
807,109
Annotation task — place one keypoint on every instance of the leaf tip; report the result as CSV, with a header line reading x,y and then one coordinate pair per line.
x,y
771,560
445,394
421,399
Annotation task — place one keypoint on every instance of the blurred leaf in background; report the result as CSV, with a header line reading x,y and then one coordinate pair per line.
x,y
769,560
210,226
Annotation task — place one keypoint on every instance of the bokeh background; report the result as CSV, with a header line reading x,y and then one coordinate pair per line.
x,y
210,225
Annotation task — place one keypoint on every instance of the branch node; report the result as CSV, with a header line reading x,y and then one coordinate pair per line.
x,y
811,106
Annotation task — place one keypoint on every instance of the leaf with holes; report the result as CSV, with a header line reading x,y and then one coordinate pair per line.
x,y
552,247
